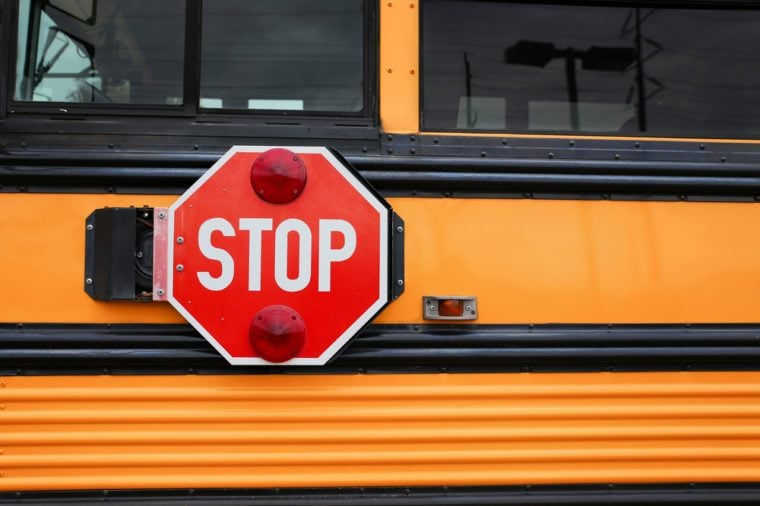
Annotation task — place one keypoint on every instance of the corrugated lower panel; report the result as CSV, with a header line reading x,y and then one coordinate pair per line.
x,y
100,432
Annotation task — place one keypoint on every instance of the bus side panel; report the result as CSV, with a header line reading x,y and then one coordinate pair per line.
x,y
140,432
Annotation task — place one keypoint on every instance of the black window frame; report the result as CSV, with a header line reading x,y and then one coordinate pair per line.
x,y
673,4
190,109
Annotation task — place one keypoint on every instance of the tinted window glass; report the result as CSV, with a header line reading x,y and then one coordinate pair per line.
x,y
630,70
104,51
296,55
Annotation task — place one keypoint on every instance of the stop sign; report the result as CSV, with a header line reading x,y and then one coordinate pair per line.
x,y
279,255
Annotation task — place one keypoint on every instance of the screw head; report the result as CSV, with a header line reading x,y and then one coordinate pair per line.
x,y
90,227
180,240
88,281
161,215
400,282
160,291
399,229
180,267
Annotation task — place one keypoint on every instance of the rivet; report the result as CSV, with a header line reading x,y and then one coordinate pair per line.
x,y
617,156
139,254
196,147
413,151
110,145
88,281
551,155
399,229
161,215
390,137
90,227
636,145
702,146
180,267
23,144
412,138
572,144
180,240
722,158
389,150
390,71
411,6
504,142
482,154
390,4
411,72
436,141
160,291
364,150
400,282
2,384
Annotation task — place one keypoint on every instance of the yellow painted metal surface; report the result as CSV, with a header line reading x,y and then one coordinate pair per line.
x,y
42,261
314,431
399,66
527,261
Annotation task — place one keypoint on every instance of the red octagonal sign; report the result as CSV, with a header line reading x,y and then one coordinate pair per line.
x,y
279,255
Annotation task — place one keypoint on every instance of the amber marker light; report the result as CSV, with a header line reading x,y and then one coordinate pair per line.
x,y
450,307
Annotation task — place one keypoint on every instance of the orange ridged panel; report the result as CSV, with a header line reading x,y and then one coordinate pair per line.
x,y
326,431
527,261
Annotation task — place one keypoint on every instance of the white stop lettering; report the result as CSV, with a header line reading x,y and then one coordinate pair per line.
x,y
326,254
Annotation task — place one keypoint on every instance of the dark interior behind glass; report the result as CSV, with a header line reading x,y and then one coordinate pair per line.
x,y
624,70
296,55
100,51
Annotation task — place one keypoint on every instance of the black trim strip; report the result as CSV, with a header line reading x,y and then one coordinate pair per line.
x,y
46,349
543,495
417,176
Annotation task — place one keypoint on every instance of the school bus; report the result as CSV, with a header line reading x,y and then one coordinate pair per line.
x,y
587,172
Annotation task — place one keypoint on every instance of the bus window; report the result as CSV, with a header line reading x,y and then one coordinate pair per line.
x,y
626,69
294,55
105,51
